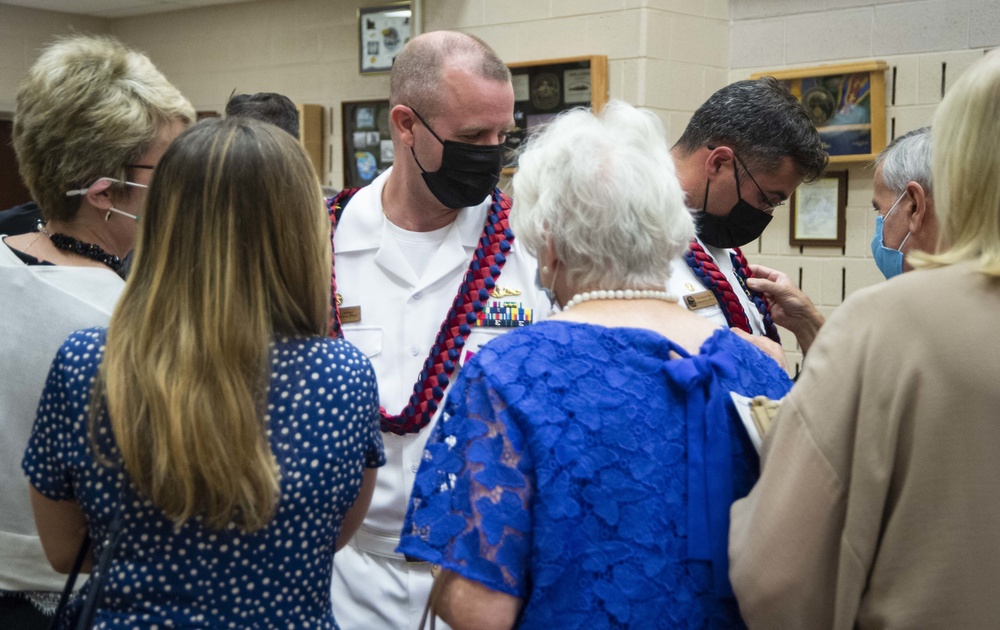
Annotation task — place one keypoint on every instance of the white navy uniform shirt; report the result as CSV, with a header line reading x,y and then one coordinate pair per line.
x,y
400,318
685,283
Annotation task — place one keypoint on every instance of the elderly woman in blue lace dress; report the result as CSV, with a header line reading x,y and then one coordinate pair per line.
x,y
582,471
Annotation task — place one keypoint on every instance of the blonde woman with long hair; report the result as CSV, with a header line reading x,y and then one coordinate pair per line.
x,y
238,440
877,504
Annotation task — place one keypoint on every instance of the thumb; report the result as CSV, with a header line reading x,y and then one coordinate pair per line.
x,y
761,285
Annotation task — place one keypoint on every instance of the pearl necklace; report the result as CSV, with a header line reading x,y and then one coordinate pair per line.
x,y
620,294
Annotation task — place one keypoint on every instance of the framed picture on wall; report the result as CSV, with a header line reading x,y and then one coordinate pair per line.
x,y
846,102
819,212
367,144
383,31
543,89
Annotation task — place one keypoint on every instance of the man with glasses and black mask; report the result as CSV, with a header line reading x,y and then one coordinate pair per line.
x,y
741,156
427,271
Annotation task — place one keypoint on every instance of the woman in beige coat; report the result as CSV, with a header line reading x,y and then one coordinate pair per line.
x,y
878,502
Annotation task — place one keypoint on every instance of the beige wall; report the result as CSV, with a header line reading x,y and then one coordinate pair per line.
x,y
664,55
667,55
23,32
927,44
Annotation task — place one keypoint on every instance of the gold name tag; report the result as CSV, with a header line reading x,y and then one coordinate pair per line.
x,y
350,315
697,301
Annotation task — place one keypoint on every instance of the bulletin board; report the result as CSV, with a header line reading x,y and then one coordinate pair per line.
x,y
368,150
544,89
846,102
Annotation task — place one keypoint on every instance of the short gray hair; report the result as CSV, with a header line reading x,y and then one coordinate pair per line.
x,y
907,159
605,191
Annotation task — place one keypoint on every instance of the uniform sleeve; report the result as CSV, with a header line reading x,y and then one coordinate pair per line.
x,y
469,507
46,461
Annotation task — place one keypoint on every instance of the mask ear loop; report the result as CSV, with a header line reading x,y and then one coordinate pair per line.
x,y
134,217
886,217
107,217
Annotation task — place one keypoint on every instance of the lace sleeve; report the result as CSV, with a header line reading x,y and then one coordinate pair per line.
x,y
469,511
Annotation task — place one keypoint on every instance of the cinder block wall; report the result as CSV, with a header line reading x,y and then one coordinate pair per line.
x,y
664,55
927,44
308,49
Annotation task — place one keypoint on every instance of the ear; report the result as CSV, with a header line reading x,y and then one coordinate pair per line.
x,y
716,159
402,120
918,213
99,195
550,259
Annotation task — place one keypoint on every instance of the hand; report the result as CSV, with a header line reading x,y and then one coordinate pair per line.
x,y
790,307
765,345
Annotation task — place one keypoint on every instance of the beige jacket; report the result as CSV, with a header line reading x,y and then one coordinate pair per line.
x,y
879,500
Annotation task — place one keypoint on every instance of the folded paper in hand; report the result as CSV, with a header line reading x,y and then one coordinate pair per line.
x,y
757,415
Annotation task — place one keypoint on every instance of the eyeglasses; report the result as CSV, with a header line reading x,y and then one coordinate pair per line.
x,y
145,166
768,206
83,191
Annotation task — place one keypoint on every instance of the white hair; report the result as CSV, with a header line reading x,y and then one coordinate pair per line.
x,y
907,159
604,190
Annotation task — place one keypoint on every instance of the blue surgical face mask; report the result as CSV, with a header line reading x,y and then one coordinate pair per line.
x,y
889,261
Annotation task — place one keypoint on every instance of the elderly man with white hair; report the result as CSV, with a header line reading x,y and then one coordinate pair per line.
x,y
904,200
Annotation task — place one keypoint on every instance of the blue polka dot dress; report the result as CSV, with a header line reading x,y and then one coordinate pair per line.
x,y
323,422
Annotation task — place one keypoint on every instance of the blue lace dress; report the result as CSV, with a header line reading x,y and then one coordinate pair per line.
x,y
581,469
323,422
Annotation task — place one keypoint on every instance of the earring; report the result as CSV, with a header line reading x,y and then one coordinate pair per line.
x,y
545,269
107,217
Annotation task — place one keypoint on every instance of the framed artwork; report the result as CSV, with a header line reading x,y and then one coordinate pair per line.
x,y
383,31
543,89
819,212
367,144
846,103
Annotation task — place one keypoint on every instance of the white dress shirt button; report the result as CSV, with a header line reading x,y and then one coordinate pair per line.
x,y
414,350
417,295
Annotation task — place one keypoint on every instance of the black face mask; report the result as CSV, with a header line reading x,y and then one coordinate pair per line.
x,y
468,172
743,224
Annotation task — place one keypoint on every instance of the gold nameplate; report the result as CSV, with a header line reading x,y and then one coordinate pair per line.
x,y
350,315
697,301
502,292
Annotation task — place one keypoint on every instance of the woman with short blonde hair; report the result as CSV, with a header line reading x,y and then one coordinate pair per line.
x,y
92,118
214,417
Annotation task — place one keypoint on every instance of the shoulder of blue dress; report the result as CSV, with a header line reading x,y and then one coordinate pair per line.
x,y
92,335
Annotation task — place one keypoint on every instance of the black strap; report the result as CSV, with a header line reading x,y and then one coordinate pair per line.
x,y
71,582
98,577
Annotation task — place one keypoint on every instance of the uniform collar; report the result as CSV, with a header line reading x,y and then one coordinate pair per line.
x,y
360,226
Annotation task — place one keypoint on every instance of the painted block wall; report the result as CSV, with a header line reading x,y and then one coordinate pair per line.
x,y
927,45
666,55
